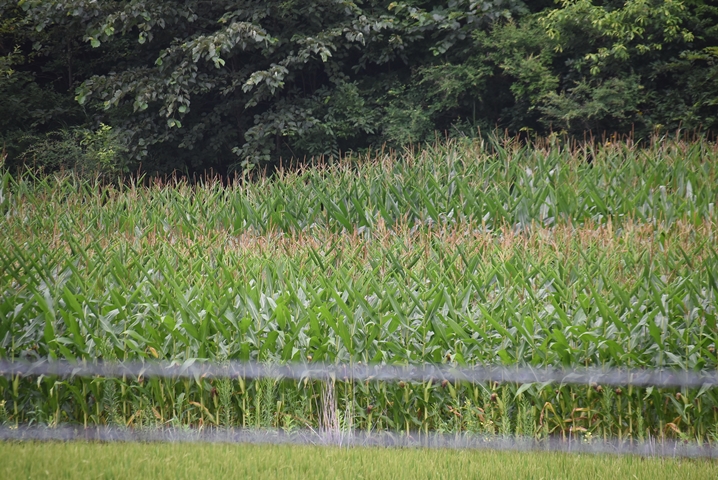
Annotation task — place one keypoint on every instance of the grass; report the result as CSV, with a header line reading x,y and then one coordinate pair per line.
x,y
467,253
157,461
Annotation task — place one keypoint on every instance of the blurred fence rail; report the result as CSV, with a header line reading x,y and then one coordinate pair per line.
x,y
197,369
649,448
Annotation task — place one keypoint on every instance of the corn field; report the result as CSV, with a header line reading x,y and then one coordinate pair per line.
x,y
465,252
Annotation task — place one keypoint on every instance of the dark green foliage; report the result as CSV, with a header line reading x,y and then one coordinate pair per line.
x,y
100,153
235,84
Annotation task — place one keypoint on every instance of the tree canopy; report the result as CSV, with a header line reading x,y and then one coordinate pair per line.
x,y
232,84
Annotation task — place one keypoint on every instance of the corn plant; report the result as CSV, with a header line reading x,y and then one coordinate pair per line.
x,y
462,253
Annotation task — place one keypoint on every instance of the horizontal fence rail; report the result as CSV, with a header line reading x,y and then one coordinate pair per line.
x,y
197,369
649,448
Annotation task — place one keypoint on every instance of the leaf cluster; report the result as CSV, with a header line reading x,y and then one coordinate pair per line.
x,y
238,84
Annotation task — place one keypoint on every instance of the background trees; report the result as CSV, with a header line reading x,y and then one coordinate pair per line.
x,y
233,84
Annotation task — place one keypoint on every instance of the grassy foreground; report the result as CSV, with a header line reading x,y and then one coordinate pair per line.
x,y
463,253
157,461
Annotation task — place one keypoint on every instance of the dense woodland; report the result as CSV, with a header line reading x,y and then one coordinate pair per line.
x,y
117,85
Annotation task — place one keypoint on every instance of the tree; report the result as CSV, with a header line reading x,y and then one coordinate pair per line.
x,y
233,84
253,81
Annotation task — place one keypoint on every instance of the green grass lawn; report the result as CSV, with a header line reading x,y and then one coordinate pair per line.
x,y
157,461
